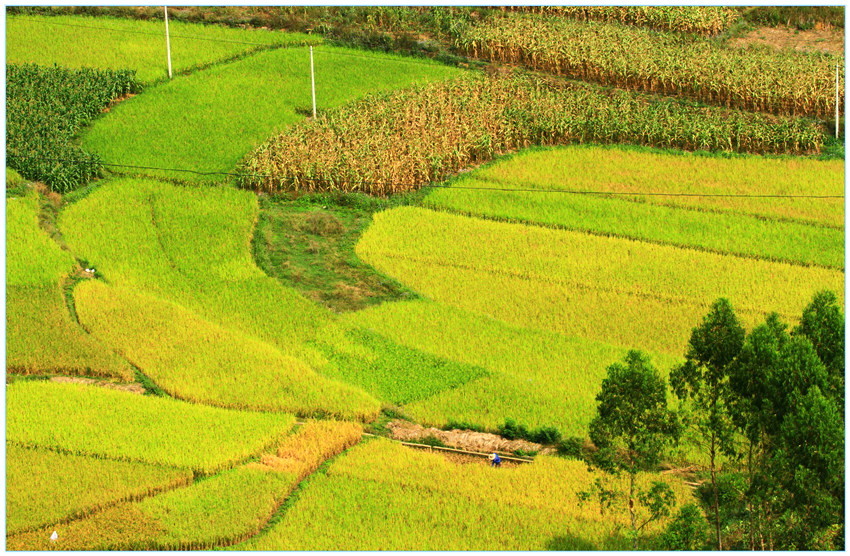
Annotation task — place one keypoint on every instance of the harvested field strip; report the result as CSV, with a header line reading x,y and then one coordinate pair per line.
x,y
41,336
113,43
621,171
612,290
237,106
206,363
538,378
399,141
786,82
217,511
45,487
378,495
702,20
95,421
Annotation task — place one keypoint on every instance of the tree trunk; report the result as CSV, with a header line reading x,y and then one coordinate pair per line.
x,y
712,453
632,515
750,507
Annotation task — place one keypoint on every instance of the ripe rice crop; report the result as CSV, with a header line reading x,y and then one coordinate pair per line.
x,y
237,106
113,43
624,292
44,487
536,377
217,511
206,363
786,82
41,337
382,496
399,141
86,420
191,246
396,373
45,108
807,231
702,20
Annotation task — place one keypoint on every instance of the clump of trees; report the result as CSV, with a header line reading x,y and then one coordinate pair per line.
x,y
766,410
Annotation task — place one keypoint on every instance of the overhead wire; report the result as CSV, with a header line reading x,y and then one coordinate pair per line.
x,y
441,186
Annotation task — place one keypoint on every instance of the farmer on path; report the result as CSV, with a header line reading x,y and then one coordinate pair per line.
x,y
495,460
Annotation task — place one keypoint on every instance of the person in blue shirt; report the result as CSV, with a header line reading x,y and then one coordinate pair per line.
x,y
495,460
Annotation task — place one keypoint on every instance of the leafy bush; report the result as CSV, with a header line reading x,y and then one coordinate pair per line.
x,y
46,108
513,431
687,531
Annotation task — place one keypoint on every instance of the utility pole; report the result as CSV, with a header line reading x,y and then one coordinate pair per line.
x,y
313,82
167,41
836,101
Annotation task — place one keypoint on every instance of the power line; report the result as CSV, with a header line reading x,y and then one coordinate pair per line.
x,y
437,186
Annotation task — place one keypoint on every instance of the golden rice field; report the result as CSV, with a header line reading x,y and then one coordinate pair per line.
x,y
597,189
41,337
98,422
217,511
382,496
45,487
537,377
619,291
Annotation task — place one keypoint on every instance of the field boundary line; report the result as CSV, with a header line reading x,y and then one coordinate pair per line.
x,y
564,227
433,186
448,449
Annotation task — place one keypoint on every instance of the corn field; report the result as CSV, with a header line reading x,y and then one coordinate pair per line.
x,y
785,83
402,140
701,20
46,108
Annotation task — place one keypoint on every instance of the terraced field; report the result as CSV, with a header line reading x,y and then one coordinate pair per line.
x,y
523,279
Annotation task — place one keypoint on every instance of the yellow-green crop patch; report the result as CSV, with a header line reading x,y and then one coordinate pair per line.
x,y
189,245
536,377
217,511
206,363
44,487
209,120
382,496
112,43
94,421
41,337
624,292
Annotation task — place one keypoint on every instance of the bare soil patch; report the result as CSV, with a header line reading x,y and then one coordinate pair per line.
x,y
830,40
132,387
462,439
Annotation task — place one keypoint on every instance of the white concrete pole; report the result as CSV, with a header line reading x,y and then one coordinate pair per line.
x,y
167,41
313,82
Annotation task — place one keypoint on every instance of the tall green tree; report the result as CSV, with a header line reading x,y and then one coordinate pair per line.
x,y
823,324
703,381
631,431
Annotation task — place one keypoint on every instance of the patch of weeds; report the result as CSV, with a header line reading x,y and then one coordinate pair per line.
x,y
525,453
308,243
151,389
16,185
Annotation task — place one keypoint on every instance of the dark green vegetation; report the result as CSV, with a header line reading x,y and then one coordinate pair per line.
x,y
770,401
46,108
799,17
308,244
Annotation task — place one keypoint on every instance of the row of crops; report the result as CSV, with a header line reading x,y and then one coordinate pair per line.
x,y
46,108
791,83
399,141
701,20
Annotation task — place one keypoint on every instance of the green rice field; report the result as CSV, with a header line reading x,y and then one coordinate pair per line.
x,y
801,230
235,107
642,294
113,43
44,338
